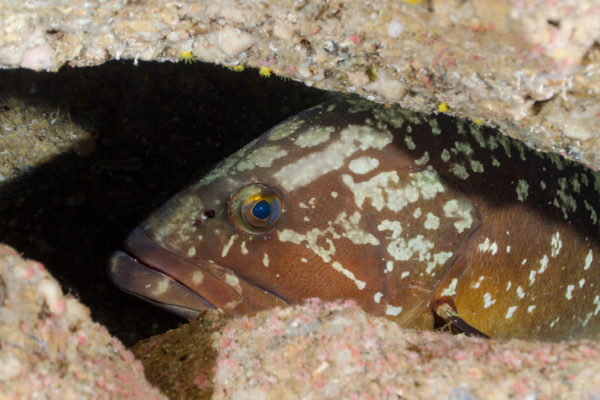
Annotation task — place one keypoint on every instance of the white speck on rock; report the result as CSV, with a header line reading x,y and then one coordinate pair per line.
x,y
39,58
395,29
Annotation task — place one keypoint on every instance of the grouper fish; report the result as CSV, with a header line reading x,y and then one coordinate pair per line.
x,y
425,219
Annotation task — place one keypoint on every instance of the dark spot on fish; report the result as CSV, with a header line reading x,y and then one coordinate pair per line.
x,y
209,214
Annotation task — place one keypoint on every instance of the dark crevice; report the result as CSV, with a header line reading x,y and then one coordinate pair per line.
x,y
154,127
537,106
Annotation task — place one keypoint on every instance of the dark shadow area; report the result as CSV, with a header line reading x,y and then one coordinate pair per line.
x,y
155,127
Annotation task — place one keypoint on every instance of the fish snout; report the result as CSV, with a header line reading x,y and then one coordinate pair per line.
x,y
185,287
142,280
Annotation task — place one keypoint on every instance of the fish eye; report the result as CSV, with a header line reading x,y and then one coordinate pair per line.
x,y
255,208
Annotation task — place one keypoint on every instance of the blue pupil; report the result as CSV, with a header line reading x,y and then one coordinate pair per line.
x,y
262,209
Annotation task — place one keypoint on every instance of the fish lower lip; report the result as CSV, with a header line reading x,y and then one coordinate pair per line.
x,y
156,274
143,280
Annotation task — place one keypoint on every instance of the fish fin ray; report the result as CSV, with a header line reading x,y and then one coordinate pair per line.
x,y
444,308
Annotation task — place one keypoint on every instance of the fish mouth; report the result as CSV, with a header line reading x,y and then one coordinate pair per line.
x,y
153,273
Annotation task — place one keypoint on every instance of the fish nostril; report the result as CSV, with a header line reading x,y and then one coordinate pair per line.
x,y
209,214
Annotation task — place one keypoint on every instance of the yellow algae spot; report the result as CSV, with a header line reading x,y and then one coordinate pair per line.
x,y
187,57
264,72
412,1
478,121
442,107
371,73
235,68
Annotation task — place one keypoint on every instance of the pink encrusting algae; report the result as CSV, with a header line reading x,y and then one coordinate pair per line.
x,y
335,350
49,346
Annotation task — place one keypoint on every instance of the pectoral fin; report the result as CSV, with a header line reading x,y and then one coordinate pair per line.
x,y
444,309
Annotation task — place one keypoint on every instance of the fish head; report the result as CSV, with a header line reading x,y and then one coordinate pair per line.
x,y
323,205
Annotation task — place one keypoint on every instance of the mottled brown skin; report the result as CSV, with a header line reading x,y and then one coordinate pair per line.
x,y
521,252
525,221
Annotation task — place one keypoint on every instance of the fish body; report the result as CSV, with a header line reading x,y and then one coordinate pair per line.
x,y
395,209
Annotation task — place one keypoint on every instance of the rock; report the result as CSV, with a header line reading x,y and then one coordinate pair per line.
x,y
49,346
181,361
335,350
529,67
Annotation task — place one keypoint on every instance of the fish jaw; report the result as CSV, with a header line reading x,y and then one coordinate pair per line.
x,y
138,279
149,271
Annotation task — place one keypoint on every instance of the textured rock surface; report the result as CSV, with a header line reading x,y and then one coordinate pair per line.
x,y
30,136
531,67
328,350
49,346
181,362
335,350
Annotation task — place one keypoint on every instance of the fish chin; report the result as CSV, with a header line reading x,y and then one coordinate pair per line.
x,y
182,286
